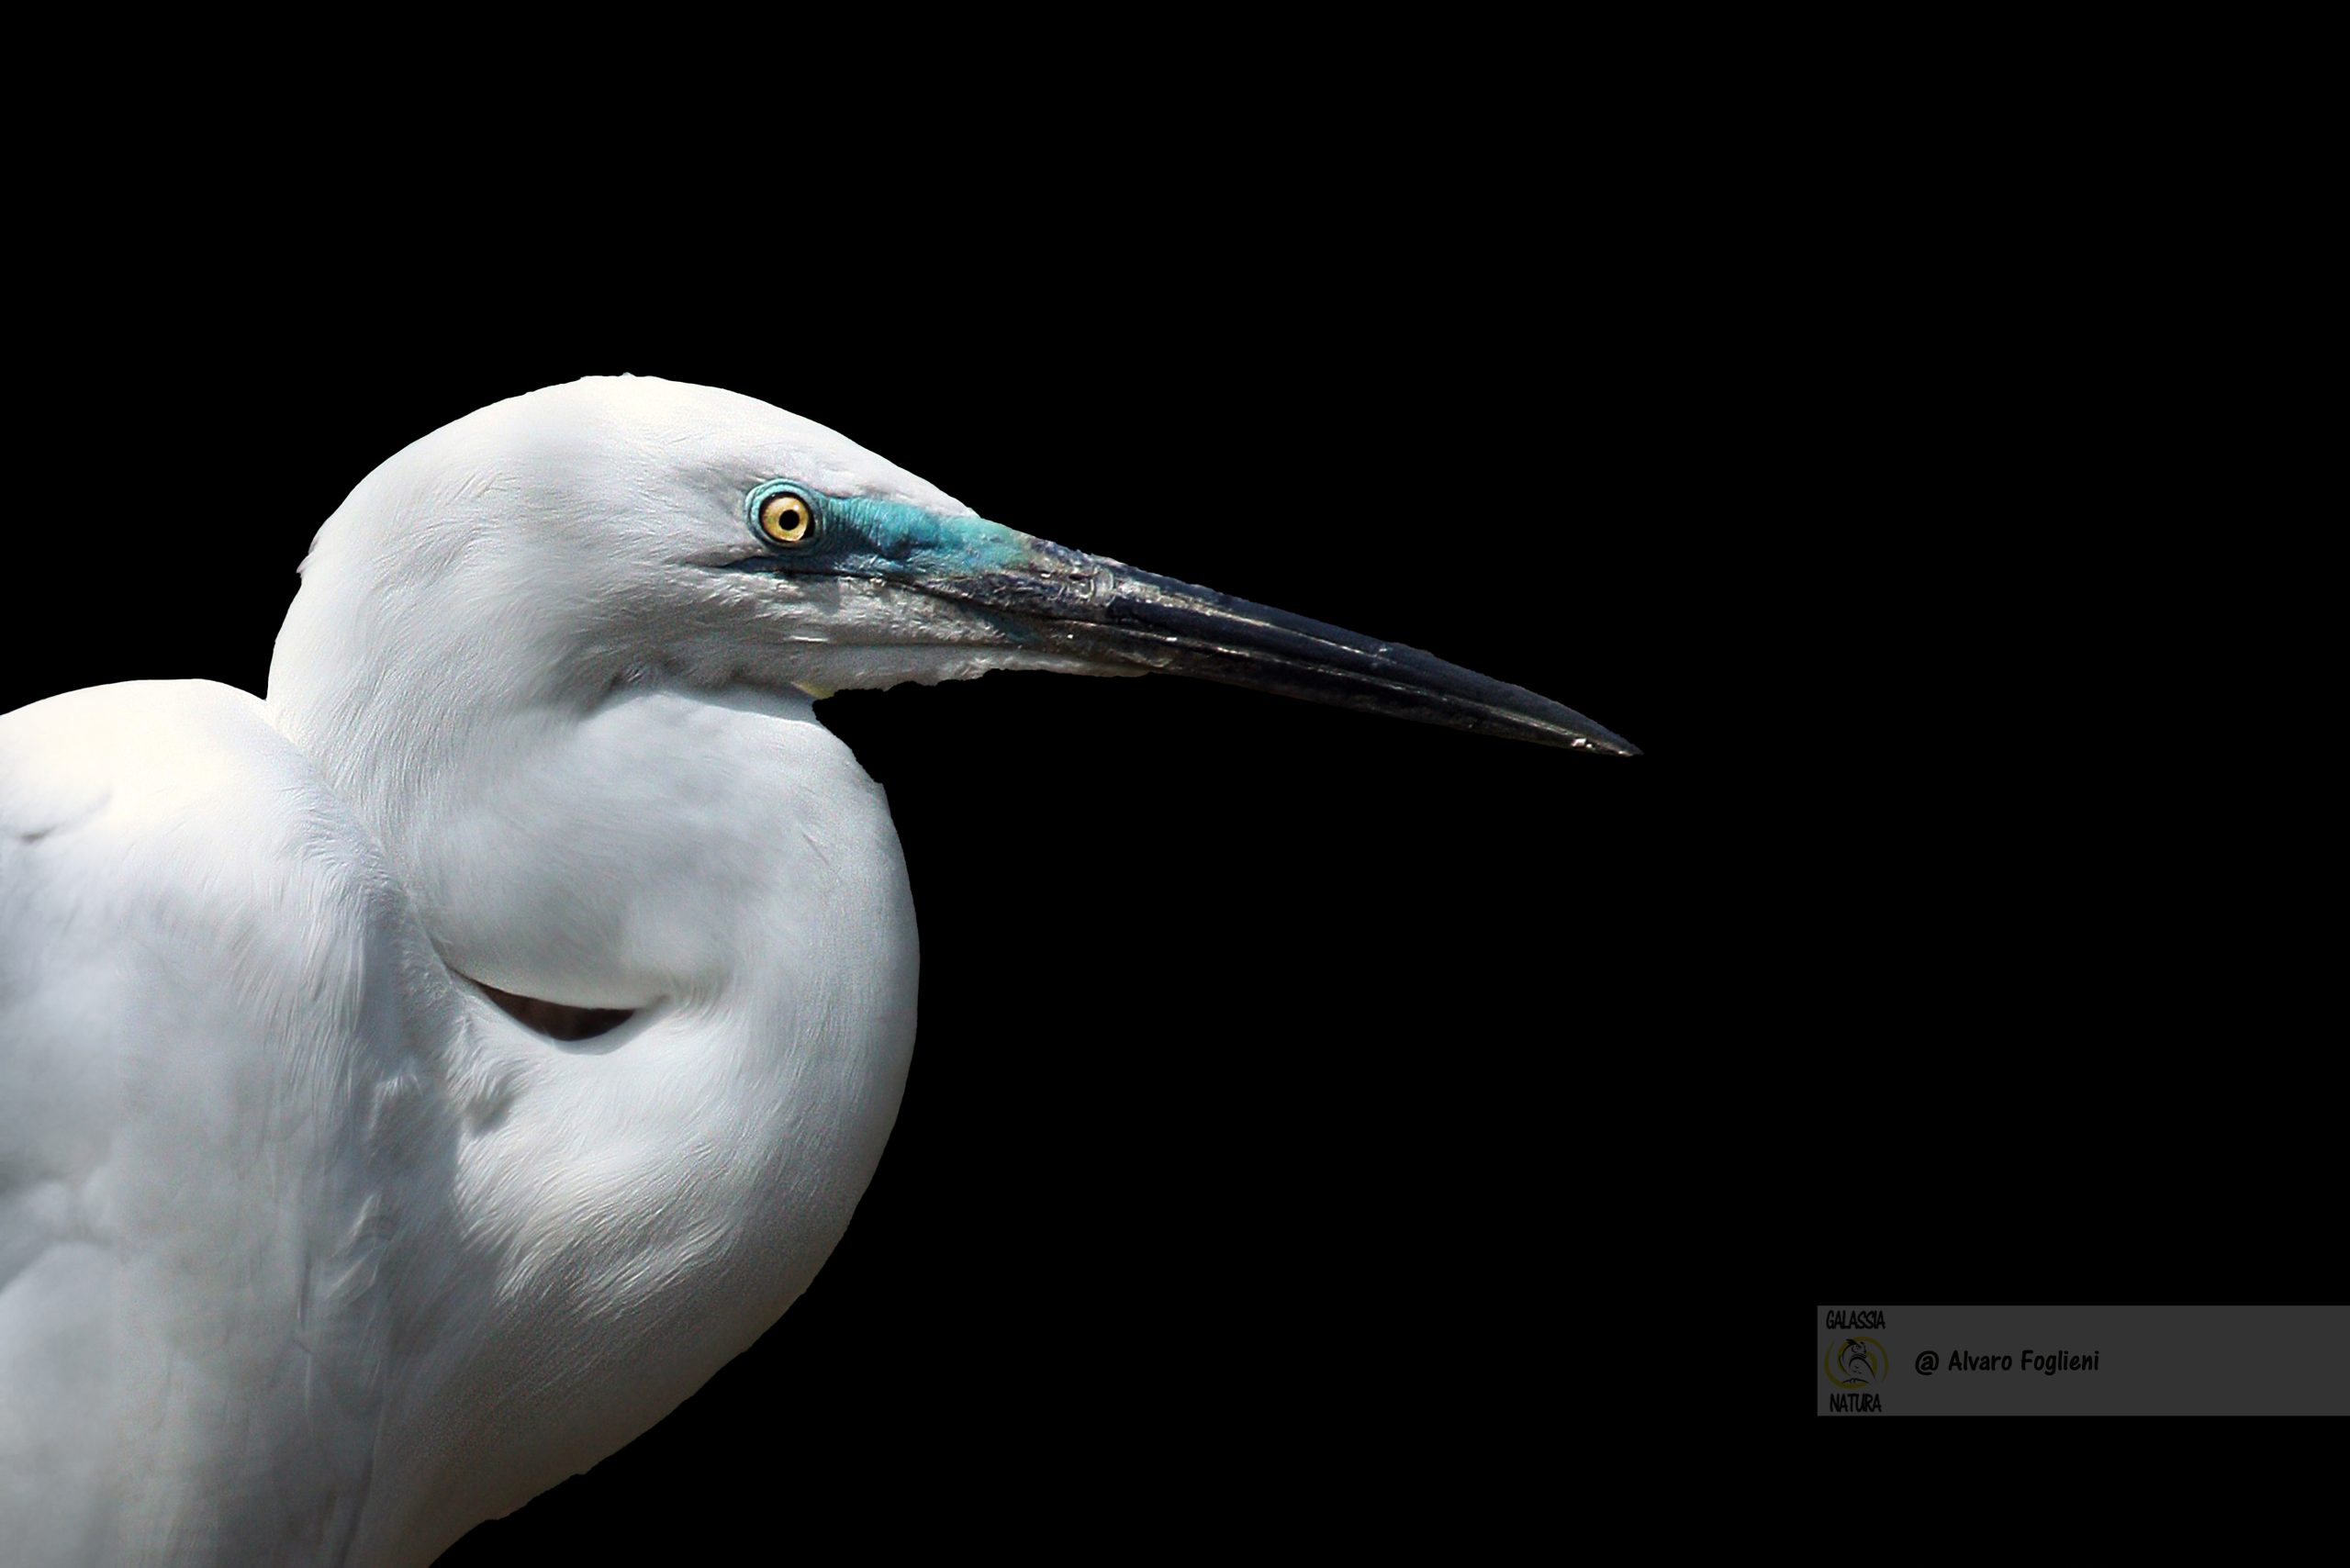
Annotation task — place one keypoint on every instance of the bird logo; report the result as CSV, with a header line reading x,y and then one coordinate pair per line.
x,y
1857,1364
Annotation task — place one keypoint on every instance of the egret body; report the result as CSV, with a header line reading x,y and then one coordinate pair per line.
x,y
414,1084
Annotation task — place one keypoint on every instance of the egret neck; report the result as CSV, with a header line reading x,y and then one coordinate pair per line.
x,y
631,1210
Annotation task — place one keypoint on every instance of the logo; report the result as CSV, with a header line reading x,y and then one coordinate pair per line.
x,y
1858,1363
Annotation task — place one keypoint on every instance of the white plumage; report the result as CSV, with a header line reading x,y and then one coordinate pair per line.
x,y
317,1246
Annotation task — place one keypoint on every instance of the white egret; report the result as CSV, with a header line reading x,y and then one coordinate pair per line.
x,y
413,1085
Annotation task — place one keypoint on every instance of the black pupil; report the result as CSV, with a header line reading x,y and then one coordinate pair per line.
x,y
786,517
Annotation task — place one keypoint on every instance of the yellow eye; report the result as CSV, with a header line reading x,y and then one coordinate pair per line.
x,y
786,519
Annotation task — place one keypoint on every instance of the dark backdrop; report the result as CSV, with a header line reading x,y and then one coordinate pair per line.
x,y
1254,1151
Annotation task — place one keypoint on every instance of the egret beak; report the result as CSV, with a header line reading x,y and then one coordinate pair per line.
x,y
1108,613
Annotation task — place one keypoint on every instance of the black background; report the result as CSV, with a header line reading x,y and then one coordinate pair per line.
x,y
1265,1048
1802,407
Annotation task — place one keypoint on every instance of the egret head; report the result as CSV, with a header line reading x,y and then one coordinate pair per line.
x,y
626,530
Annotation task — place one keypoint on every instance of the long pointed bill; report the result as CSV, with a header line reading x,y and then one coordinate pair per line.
x,y
1110,614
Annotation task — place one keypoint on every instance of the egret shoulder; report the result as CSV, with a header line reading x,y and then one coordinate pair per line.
x,y
204,972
